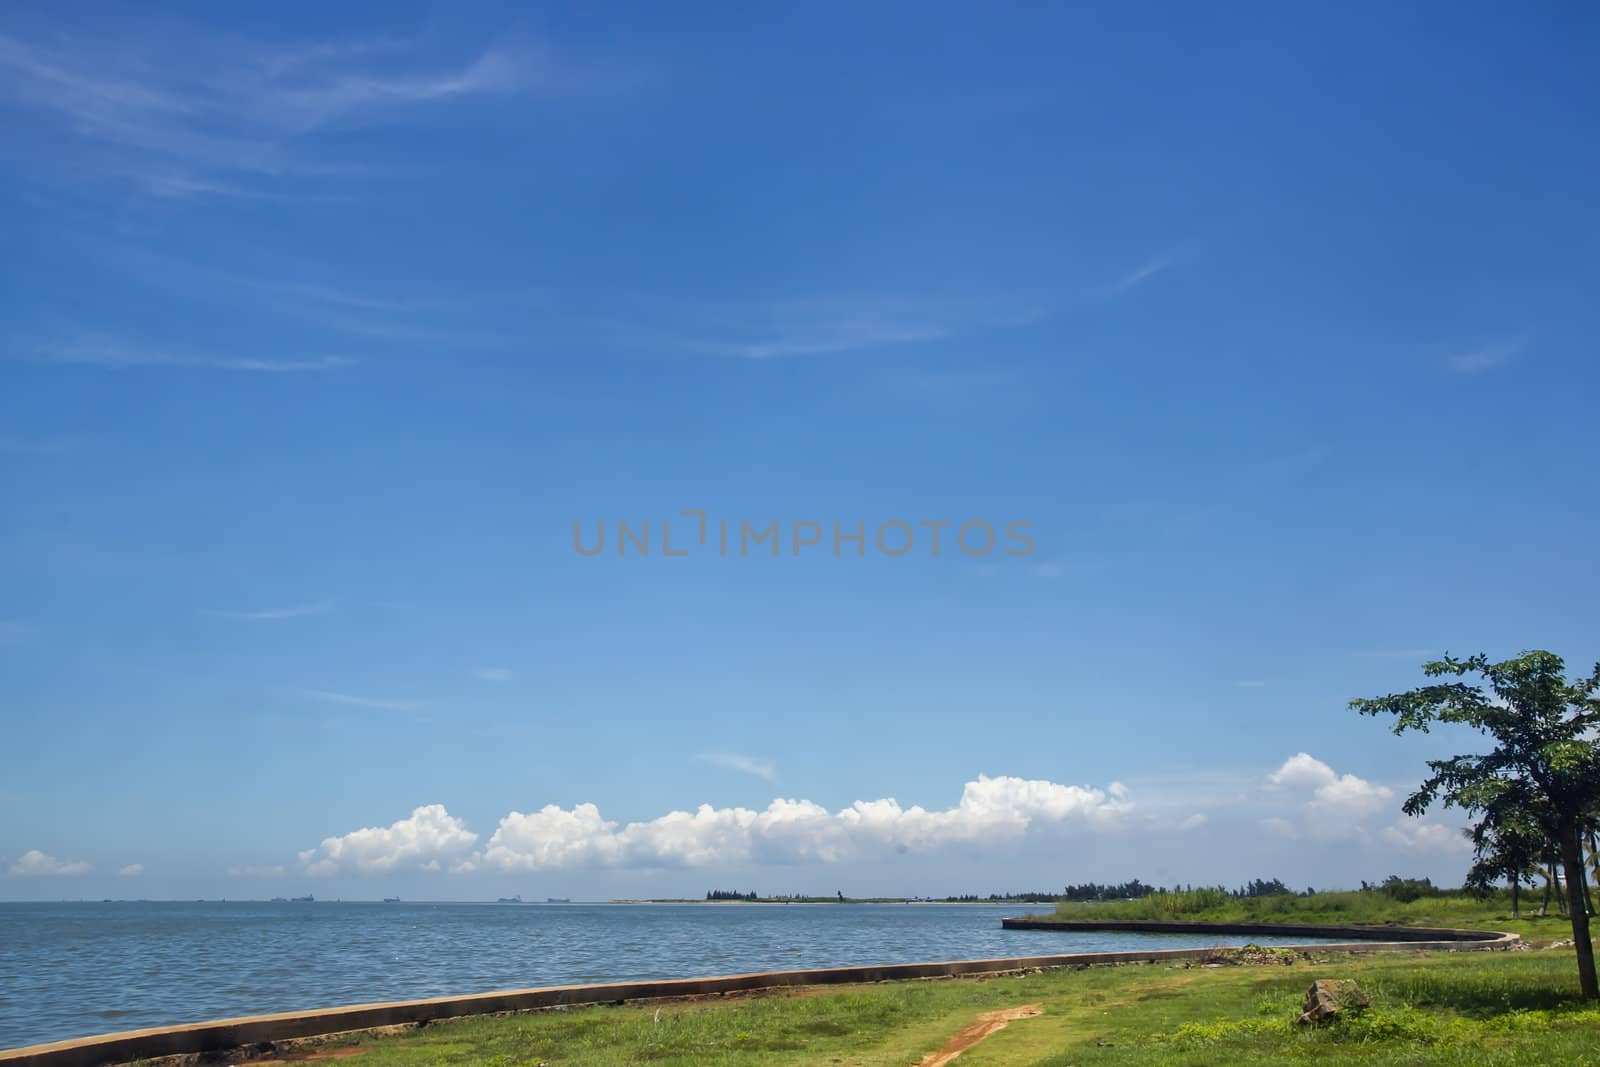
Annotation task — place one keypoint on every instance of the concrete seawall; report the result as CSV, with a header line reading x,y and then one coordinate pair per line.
x,y
240,1033
1447,938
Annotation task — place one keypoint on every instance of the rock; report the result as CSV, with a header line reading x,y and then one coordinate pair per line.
x,y
1328,997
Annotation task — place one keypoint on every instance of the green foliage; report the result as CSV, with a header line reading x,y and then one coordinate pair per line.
x,y
1405,890
1541,776
1484,909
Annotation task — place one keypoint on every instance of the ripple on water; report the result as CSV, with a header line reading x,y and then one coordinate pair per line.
x,y
69,970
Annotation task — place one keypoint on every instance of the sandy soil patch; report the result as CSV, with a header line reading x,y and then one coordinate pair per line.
x,y
989,1022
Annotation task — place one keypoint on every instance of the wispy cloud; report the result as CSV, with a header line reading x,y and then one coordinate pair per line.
x,y
1144,272
760,768
421,312
132,870
1487,358
186,113
827,325
820,326
274,614
119,355
351,700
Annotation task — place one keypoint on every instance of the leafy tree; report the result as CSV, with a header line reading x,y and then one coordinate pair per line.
x,y
1544,755
1507,843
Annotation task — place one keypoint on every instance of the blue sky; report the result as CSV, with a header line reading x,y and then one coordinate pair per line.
x,y
321,329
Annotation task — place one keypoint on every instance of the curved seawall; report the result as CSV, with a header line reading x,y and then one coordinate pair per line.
x,y
225,1034
1413,935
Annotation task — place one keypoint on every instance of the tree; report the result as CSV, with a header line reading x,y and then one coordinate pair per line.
x,y
1544,755
1507,843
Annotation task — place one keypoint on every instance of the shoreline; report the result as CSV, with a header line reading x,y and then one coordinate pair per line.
x,y
223,1035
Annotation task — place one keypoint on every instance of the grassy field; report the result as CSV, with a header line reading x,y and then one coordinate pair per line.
x,y
1442,1008
1457,910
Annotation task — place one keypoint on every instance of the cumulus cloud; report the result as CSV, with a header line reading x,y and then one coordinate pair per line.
x,y
34,862
792,831
132,870
429,840
1342,795
786,831
1303,799
1419,835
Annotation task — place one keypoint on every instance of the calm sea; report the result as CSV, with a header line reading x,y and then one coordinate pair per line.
x,y
69,970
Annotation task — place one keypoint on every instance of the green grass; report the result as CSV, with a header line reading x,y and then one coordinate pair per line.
x,y
1441,1008
1457,910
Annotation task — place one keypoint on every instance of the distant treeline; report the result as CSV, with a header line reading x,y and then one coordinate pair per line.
x,y
839,897
1121,891
1400,889
1397,888
1136,890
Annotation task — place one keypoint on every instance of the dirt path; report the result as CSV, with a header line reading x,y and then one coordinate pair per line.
x,y
314,1055
989,1022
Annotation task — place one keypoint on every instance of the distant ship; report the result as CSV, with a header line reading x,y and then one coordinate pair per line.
x,y
510,900
391,900
558,900
307,899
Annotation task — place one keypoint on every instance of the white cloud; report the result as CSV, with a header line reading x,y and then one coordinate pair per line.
x,y
760,768
1332,801
1302,770
493,674
429,840
1419,835
132,870
34,862
1303,799
1352,796
789,831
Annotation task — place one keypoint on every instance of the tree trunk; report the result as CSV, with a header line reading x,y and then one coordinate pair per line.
x,y
1544,905
1583,885
1516,885
1572,860
1592,870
